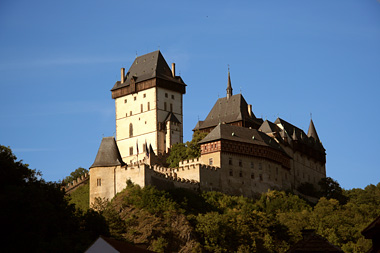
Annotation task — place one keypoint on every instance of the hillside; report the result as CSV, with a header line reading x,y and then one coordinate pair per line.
x,y
183,221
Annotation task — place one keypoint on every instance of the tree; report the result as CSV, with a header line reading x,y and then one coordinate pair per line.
x,y
330,189
189,150
177,154
193,148
75,174
37,216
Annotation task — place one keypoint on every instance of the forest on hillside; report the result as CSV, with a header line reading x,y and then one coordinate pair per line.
x,y
184,221
44,219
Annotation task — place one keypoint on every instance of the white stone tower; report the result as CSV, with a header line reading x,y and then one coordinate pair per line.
x,y
148,105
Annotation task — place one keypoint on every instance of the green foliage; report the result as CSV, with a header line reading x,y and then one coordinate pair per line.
x,y
150,199
331,189
75,174
177,154
308,189
223,223
177,220
188,150
37,216
159,245
81,197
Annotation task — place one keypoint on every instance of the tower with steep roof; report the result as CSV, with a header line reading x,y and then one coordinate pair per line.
x,y
229,86
148,103
312,132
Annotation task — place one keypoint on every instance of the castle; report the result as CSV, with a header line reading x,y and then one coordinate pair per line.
x,y
241,154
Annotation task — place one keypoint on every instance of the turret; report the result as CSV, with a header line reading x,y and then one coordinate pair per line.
x,y
229,87
312,132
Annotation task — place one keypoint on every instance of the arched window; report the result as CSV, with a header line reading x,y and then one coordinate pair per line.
x,y
130,130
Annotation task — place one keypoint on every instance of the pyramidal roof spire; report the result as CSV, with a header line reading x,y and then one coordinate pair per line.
x,y
312,132
229,87
108,154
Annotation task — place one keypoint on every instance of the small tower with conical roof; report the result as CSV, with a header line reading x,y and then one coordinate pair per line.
x,y
103,178
312,132
229,87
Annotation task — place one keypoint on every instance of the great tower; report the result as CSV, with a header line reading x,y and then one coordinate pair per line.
x,y
149,107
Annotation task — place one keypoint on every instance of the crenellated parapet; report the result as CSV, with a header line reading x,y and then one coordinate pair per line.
x,y
208,167
70,187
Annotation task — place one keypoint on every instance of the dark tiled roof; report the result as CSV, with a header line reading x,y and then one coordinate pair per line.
x,y
299,135
312,242
108,154
227,111
291,129
269,127
241,134
146,67
120,246
172,118
372,229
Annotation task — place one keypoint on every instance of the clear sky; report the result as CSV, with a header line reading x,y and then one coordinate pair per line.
x,y
59,60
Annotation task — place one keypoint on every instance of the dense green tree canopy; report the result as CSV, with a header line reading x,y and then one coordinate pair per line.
x,y
188,150
36,215
75,174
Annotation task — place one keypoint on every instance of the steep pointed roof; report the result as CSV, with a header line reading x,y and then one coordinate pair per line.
x,y
312,132
108,154
172,118
229,86
294,136
269,127
227,111
146,67
290,129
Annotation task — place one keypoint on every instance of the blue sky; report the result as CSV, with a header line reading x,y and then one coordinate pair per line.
x,y
59,60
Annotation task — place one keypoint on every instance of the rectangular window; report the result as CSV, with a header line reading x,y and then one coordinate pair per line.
x,y
125,101
230,161
166,95
252,175
144,95
130,150
134,98
252,165
261,177
240,163
171,107
99,182
231,173
172,96
240,173
130,113
210,161
142,108
260,166
148,106
164,106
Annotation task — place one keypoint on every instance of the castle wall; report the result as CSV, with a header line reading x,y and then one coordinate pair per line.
x,y
304,169
189,169
248,175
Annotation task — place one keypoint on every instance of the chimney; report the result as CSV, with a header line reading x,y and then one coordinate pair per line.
x,y
173,69
122,75
250,110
